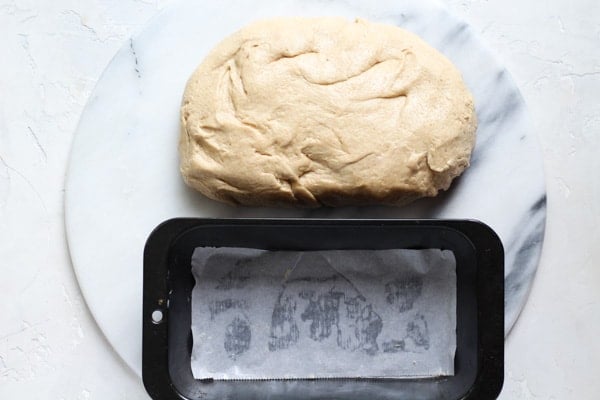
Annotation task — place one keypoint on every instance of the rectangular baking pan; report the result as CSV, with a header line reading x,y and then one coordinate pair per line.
x,y
168,283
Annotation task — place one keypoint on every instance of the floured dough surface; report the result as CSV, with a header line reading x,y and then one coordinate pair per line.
x,y
324,111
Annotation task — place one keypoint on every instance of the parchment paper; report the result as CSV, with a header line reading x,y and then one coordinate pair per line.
x,y
260,314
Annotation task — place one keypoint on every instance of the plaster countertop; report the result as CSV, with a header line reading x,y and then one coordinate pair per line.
x,y
51,348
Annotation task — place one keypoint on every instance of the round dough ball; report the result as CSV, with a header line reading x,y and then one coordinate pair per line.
x,y
324,111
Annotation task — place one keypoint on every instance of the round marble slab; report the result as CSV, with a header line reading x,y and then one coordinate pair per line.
x,y
123,176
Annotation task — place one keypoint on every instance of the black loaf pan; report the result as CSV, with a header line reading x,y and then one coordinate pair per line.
x,y
168,283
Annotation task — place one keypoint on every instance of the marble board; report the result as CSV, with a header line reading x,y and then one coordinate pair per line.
x,y
123,176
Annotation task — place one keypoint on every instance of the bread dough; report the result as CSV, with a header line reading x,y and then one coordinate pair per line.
x,y
324,111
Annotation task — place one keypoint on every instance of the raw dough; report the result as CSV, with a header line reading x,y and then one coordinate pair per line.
x,y
324,111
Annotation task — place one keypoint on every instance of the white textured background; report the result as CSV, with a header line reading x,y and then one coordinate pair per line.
x,y
52,53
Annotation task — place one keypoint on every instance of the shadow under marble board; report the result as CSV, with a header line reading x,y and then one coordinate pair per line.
x,y
123,177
